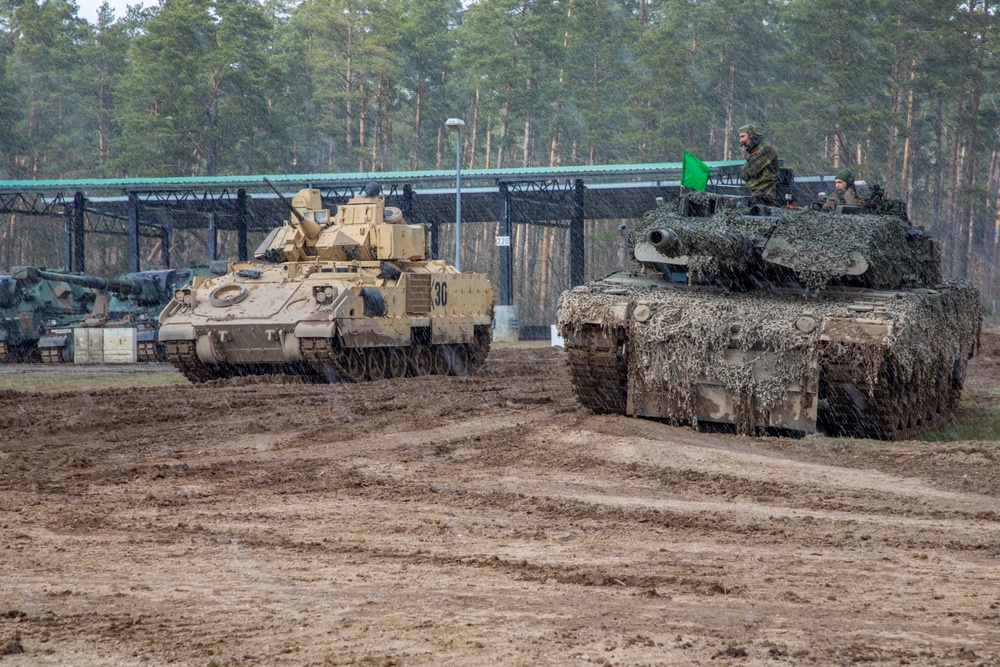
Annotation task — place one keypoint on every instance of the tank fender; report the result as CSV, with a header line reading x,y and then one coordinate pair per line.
x,y
178,331
315,329
53,340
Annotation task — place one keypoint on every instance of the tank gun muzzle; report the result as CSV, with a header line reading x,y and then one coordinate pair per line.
x,y
665,241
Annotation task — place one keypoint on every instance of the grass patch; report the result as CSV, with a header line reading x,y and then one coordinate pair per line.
x,y
977,426
54,382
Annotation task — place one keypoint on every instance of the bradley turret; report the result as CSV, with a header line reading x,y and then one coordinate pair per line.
x,y
364,229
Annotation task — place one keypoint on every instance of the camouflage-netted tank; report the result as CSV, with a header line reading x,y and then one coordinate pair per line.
x,y
788,321
343,297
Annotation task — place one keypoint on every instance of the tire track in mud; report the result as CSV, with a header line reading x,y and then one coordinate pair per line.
x,y
466,520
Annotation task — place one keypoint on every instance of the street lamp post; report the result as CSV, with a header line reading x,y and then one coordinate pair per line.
x,y
457,124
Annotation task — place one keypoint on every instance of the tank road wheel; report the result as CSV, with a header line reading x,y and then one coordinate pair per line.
x,y
376,363
441,363
420,361
353,365
397,362
458,360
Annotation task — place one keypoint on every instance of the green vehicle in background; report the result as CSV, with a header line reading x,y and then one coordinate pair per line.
x,y
28,308
122,319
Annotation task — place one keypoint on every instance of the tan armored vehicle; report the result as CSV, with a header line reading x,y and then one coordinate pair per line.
x,y
344,296
793,321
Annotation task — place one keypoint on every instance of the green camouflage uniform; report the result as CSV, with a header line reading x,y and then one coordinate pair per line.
x,y
761,171
846,197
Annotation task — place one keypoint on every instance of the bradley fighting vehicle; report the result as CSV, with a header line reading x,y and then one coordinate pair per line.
x,y
343,297
132,301
29,308
787,321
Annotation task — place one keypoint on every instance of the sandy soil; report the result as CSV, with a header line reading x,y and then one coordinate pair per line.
x,y
484,520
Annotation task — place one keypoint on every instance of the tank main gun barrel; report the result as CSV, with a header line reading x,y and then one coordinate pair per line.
x,y
141,290
727,245
665,241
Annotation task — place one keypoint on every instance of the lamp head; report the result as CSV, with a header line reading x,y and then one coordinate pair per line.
x,y
454,123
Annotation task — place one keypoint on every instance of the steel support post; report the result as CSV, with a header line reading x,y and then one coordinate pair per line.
x,y
165,246
241,224
133,232
435,237
504,239
577,248
407,204
213,236
78,258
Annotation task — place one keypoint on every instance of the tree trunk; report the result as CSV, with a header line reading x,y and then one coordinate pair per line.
x,y
728,132
906,185
473,135
417,117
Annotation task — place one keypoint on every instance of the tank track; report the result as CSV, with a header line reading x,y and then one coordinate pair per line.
x,y
52,355
146,351
890,410
325,360
598,366
182,354
334,363
5,356
850,406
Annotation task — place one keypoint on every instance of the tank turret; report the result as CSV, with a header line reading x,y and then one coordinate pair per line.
x,y
775,320
344,295
785,246
363,229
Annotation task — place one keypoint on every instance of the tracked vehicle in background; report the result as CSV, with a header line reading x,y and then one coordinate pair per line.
x,y
348,296
128,305
28,308
789,321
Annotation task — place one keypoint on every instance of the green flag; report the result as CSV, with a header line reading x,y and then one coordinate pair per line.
x,y
694,173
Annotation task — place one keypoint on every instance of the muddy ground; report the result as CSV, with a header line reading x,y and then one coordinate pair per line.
x,y
485,520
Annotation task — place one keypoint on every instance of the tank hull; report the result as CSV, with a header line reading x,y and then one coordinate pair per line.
x,y
330,321
852,361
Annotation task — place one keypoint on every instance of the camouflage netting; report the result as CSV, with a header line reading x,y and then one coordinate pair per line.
x,y
818,248
685,339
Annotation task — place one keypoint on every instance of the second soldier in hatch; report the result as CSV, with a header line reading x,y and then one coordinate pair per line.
x,y
844,192
761,169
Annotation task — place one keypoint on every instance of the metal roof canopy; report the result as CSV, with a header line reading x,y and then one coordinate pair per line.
x,y
556,196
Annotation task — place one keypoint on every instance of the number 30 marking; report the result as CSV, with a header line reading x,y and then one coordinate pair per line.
x,y
441,294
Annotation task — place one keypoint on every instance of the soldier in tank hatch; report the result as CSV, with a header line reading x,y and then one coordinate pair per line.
x,y
761,169
844,194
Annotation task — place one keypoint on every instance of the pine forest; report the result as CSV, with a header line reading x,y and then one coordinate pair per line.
x,y
905,93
